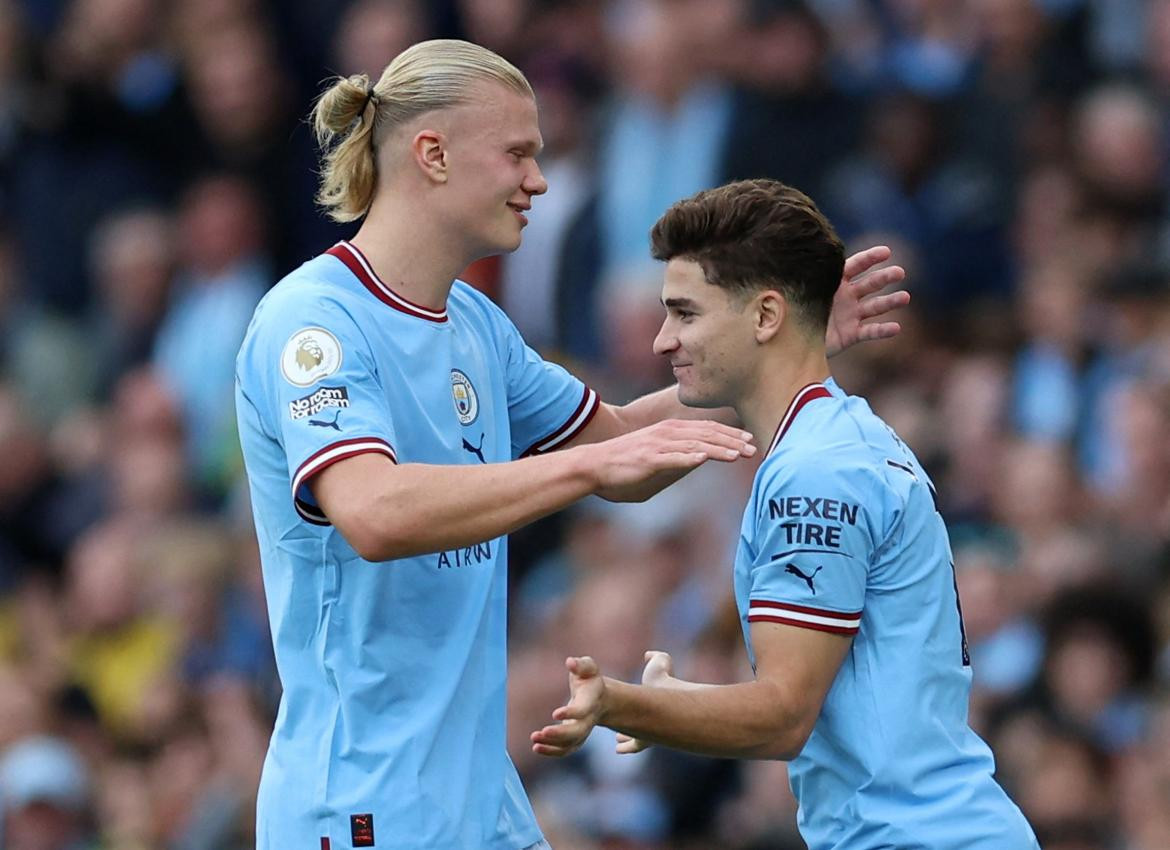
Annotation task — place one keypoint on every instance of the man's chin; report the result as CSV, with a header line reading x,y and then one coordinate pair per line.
x,y
504,242
690,398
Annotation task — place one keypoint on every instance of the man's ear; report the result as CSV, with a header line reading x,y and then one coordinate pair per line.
x,y
770,312
430,154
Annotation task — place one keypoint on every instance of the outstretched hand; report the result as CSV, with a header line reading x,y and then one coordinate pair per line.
x,y
575,719
631,467
855,301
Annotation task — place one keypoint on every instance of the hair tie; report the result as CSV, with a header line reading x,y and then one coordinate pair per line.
x,y
370,96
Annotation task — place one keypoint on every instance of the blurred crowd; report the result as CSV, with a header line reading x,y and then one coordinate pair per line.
x,y
156,177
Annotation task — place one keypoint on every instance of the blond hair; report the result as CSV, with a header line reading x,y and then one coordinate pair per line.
x,y
351,118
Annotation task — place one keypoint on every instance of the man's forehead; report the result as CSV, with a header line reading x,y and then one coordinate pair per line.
x,y
684,276
496,108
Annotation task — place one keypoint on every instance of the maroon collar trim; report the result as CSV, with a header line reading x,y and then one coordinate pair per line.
x,y
356,262
803,397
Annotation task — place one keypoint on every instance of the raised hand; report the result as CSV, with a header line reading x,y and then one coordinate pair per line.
x,y
630,467
575,719
855,301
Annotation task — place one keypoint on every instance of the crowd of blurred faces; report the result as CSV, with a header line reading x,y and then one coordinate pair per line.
x,y
156,177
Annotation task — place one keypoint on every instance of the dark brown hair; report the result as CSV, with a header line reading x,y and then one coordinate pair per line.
x,y
757,234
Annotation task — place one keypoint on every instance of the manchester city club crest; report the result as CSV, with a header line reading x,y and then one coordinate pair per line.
x,y
463,394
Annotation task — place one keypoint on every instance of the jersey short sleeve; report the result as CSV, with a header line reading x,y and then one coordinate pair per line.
x,y
814,543
547,406
312,376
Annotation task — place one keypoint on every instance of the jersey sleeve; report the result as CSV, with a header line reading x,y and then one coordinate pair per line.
x,y
815,542
547,406
320,392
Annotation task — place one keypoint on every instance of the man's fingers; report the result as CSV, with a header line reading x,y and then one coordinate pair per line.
x,y
627,745
714,449
867,259
555,752
709,437
569,713
877,280
681,460
659,666
581,665
736,444
879,330
560,734
564,736
878,305
548,750
705,427
680,444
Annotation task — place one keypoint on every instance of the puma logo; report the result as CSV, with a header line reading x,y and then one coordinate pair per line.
x,y
475,450
807,579
321,423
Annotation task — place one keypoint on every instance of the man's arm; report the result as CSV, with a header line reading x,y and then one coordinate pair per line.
x,y
385,510
770,717
855,304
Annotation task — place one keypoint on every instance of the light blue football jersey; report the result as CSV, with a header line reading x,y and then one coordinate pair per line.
x,y
391,729
842,535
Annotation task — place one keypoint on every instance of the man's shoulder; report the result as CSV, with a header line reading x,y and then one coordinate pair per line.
x,y
320,278
466,299
827,437
312,293
310,302
836,465
839,449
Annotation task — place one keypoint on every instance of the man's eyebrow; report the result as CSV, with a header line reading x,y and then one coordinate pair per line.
x,y
529,146
678,303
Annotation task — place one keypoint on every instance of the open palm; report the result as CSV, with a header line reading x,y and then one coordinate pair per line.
x,y
856,301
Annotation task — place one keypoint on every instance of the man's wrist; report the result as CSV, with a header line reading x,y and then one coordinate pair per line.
x,y
605,703
582,467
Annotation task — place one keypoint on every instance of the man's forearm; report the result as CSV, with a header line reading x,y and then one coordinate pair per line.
x,y
664,404
613,421
745,720
429,508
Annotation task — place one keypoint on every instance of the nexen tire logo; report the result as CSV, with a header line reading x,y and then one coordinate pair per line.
x,y
325,397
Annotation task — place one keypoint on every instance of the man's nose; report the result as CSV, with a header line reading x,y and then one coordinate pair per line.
x,y
665,342
534,183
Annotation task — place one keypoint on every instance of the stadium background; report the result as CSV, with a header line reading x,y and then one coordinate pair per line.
x,y
156,178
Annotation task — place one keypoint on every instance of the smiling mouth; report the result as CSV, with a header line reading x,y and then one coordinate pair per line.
x,y
519,211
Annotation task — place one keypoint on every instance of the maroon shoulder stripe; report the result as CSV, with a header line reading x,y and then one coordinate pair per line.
x,y
804,624
820,619
573,426
327,456
803,609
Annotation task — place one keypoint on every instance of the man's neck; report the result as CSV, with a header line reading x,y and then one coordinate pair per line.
x,y
761,410
410,253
